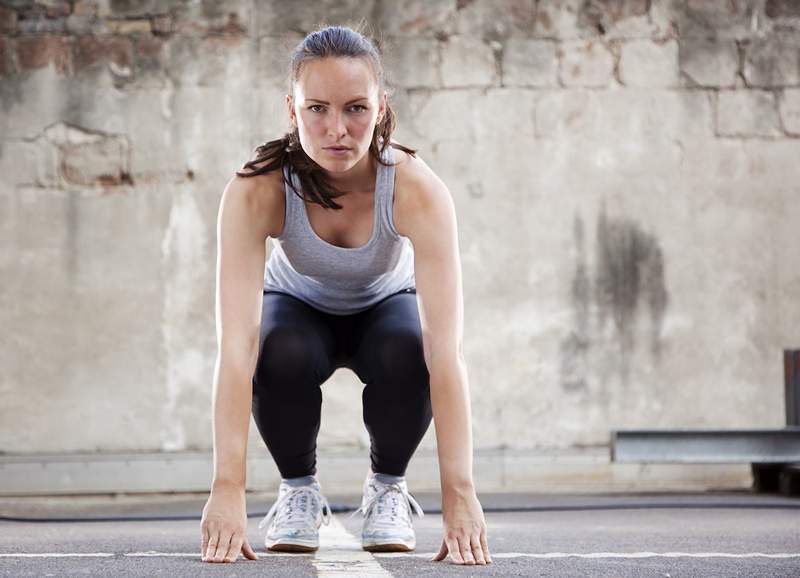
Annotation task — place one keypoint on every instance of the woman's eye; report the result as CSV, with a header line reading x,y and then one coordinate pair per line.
x,y
313,107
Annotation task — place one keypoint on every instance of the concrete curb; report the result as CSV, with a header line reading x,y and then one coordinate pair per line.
x,y
580,471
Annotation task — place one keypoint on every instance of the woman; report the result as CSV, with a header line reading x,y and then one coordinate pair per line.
x,y
371,282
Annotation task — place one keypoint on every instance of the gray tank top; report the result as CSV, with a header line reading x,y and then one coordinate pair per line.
x,y
341,280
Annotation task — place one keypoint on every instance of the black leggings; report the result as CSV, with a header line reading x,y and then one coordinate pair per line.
x,y
299,349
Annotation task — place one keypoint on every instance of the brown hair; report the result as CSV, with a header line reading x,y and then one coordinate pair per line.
x,y
331,41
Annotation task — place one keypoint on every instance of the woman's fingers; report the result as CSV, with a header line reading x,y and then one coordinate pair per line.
x,y
203,543
475,546
465,549
455,550
248,551
213,539
222,546
485,546
234,549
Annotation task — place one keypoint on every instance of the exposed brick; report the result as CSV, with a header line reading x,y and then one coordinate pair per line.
x,y
42,25
39,51
80,24
709,63
89,158
747,113
134,8
467,62
57,9
41,17
495,19
140,26
229,16
162,24
409,62
410,18
5,64
99,161
92,51
772,63
585,63
530,62
646,63
232,25
782,9
8,19
82,8
558,19
31,11
573,19
790,111
149,47
603,16
720,18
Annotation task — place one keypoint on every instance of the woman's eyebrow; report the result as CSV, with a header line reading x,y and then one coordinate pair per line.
x,y
348,102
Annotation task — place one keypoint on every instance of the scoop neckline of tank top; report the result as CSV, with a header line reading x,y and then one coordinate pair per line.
x,y
375,221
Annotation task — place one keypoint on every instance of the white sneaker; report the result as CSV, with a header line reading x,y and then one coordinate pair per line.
x,y
387,516
296,517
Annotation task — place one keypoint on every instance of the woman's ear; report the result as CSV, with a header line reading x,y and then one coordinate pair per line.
x,y
382,107
290,110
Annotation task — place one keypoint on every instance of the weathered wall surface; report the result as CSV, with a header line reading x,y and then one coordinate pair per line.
x,y
625,173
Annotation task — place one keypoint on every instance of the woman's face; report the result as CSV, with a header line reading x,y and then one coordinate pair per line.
x,y
336,105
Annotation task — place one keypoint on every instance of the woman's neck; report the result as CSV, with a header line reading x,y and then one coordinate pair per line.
x,y
360,178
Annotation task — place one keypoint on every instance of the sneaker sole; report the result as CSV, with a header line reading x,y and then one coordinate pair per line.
x,y
292,546
389,546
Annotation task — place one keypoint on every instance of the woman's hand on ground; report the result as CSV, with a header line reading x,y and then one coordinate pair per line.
x,y
223,529
464,529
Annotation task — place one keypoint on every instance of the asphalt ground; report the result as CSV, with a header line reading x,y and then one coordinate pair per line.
x,y
602,535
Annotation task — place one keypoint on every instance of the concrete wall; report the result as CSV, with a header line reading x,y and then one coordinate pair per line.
x,y
625,173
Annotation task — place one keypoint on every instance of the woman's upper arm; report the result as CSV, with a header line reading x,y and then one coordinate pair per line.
x,y
245,215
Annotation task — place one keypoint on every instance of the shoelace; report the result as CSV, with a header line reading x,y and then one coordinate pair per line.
x,y
385,514
297,511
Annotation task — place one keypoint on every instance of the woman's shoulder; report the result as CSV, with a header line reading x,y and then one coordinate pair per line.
x,y
264,195
415,181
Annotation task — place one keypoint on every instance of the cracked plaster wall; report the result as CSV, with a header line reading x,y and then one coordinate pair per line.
x,y
625,175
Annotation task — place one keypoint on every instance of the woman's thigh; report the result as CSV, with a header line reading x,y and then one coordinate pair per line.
x,y
387,342
296,341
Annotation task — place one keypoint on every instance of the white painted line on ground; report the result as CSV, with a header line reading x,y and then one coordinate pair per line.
x,y
260,553
341,554
347,554
58,555
609,555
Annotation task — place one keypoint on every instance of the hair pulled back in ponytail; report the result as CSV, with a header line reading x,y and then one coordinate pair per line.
x,y
331,41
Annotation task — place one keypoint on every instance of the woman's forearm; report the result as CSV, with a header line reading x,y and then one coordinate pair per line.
x,y
231,406
453,423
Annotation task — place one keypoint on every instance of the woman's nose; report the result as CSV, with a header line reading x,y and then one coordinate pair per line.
x,y
337,125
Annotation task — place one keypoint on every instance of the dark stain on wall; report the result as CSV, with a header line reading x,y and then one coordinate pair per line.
x,y
575,348
628,277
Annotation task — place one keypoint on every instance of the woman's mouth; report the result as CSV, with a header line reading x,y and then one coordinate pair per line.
x,y
338,151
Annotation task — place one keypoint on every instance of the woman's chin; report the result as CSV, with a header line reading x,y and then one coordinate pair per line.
x,y
336,163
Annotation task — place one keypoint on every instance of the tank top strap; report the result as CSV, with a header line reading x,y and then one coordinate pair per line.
x,y
292,202
384,189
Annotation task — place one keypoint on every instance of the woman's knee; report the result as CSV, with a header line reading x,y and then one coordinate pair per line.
x,y
290,352
398,353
